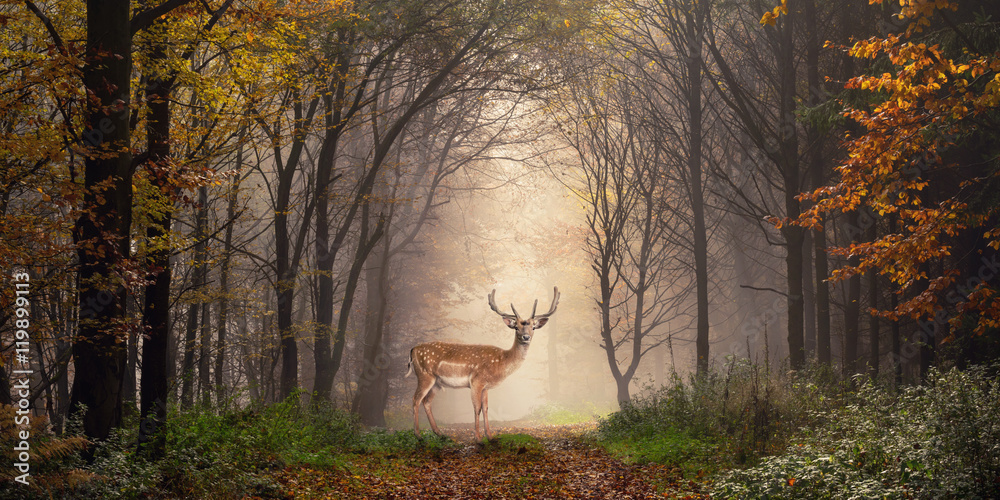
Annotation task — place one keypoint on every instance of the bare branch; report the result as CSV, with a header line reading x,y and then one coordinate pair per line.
x,y
765,289
56,39
142,20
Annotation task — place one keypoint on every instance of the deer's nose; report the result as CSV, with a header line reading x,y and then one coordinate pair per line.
x,y
525,338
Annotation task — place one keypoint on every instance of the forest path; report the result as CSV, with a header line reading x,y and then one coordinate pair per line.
x,y
557,463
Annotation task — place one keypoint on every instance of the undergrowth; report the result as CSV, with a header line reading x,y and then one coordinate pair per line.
x,y
937,440
767,436
210,453
718,421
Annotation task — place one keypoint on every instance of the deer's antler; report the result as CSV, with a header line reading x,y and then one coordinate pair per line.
x,y
534,308
552,309
493,305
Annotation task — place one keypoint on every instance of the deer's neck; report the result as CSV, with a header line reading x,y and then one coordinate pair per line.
x,y
515,355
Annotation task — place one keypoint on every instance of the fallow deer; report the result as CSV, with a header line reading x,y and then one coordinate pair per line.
x,y
479,367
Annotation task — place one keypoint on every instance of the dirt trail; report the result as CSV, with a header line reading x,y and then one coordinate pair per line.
x,y
562,466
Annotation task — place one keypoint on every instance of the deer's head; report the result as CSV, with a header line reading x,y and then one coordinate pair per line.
x,y
525,327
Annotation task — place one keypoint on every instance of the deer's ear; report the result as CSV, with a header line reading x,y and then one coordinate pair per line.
x,y
540,322
511,322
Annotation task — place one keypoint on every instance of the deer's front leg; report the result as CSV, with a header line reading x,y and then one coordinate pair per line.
x,y
477,407
486,413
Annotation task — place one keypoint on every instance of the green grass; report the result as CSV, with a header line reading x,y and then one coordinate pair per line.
x,y
384,441
667,446
561,414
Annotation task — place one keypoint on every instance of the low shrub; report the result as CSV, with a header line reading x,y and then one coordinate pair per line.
x,y
718,420
937,440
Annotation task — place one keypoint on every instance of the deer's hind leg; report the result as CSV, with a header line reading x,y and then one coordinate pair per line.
x,y
426,387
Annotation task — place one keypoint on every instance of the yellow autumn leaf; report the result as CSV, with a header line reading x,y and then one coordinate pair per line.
x,y
770,17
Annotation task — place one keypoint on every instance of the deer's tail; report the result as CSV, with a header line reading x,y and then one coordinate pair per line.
x,y
409,365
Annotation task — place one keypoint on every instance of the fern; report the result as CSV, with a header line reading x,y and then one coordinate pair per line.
x,y
58,448
47,452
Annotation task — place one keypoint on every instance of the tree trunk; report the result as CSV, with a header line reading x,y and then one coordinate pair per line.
x,y
205,339
154,391
931,330
198,282
873,319
224,301
326,252
369,402
695,27
205,355
129,392
173,352
102,233
608,344
187,365
62,388
897,354
822,292
816,142
789,154
285,290
365,246
288,253
648,228
793,262
808,297
852,310
624,398
252,360
873,325
894,336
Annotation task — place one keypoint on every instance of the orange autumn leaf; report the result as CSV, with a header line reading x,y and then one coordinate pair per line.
x,y
921,108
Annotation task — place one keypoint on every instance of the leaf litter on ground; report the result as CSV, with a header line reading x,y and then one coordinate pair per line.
x,y
538,461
